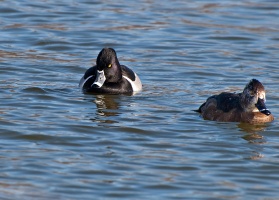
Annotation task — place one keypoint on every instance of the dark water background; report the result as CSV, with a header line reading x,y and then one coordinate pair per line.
x,y
56,142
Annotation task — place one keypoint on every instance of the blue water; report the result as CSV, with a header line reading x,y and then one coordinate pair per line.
x,y
56,142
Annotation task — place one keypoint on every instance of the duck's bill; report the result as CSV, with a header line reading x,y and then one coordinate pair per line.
x,y
261,106
100,79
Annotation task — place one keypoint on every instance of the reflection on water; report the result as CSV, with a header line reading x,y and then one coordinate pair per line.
x,y
253,132
251,128
254,138
106,105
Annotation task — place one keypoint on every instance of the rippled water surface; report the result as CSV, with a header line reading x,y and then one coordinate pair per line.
x,y
57,142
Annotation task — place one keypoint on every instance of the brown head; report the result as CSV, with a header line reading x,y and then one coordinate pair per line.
x,y
253,98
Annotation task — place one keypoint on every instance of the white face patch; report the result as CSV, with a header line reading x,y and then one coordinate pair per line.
x,y
262,96
100,79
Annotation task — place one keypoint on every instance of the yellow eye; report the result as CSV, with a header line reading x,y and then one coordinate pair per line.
x,y
109,66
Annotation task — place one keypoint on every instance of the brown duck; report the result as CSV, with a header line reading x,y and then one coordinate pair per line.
x,y
248,106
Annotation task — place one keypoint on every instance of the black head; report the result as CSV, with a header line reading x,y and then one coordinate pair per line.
x,y
108,68
106,58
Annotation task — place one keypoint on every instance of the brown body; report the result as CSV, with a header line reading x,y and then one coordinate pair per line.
x,y
242,107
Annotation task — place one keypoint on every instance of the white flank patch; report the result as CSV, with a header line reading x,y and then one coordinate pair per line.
x,y
136,85
83,81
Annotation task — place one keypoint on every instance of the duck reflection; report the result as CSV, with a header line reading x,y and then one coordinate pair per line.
x,y
107,106
252,128
252,132
253,136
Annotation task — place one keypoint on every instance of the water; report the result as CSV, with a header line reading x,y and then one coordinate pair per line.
x,y
59,143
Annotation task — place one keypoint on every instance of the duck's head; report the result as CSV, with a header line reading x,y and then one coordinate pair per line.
x,y
253,98
108,67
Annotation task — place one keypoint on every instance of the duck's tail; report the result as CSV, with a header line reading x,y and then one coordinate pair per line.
x,y
199,110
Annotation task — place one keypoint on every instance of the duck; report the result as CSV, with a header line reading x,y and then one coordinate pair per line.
x,y
108,76
246,107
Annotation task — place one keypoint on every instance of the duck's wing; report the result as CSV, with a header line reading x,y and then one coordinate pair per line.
x,y
127,72
227,101
132,78
88,78
221,107
223,102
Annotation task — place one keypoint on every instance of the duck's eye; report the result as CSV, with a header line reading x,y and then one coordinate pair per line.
x,y
109,66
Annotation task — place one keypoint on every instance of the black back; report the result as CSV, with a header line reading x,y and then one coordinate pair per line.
x,y
227,101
